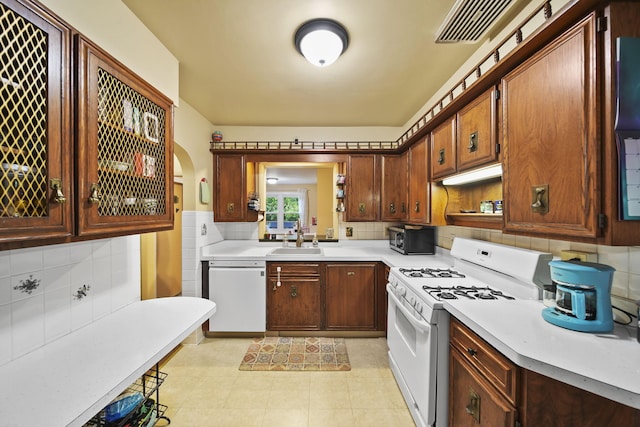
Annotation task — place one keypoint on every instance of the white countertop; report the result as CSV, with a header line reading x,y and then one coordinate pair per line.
x,y
607,364
68,381
349,250
604,364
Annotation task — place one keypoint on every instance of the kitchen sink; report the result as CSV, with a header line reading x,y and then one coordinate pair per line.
x,y
296,251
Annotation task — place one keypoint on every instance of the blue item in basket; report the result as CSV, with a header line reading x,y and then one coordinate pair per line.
x,y
122,407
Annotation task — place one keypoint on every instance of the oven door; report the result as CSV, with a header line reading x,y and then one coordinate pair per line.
x,y
413,356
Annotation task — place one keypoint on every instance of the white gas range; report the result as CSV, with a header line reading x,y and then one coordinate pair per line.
x,y
418,324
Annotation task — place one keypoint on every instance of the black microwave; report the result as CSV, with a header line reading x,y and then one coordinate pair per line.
x,y
413,239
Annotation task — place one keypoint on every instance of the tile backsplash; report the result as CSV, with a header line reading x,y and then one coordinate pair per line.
x,y
625,259
49,291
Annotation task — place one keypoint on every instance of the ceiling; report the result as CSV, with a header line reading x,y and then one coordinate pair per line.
x,y
239,65
293,176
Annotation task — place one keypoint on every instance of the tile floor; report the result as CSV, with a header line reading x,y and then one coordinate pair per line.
x,y
205,388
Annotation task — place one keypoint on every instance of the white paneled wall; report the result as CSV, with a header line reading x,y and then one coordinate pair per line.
x,y
49,291
198,230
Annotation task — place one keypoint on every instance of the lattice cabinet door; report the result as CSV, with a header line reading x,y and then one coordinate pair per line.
x,y
124,148
35,116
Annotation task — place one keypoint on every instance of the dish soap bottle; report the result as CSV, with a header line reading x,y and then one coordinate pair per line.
x,y
314,242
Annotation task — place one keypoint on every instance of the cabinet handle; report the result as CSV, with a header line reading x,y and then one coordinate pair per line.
x,y
361,208
278,283
56,186
537,203
230,207
471,351
441,156
417,208
351,273
473,408
540,196
94,194
392,208
294,291
473,142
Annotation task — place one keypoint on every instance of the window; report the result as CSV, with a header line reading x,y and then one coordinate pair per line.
x,y
282,211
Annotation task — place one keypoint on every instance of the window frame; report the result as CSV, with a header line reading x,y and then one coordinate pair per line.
x,y
280,195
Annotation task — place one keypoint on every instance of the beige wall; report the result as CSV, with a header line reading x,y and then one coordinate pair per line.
x,y
112,26
326,200
483,50
284,133
192,133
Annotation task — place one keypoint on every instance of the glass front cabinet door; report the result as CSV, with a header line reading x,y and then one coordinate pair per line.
x,y
35,126
124,148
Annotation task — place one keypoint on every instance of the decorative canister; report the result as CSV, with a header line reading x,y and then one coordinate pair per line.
x,y
498,206
486,206
216,136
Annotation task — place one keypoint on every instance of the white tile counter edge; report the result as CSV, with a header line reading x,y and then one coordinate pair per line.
x,y
605,364
71,379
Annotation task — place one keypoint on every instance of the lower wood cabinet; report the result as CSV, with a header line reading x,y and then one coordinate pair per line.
x,y
473,399
487,389
338,296
293,296
482,382
350,296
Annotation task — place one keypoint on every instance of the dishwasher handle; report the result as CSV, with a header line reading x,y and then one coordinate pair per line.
x,y
239,263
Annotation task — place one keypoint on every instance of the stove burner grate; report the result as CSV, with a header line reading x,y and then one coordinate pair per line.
x,y
471,292
432,273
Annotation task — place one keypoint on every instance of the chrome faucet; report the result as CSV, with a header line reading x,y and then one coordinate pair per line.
x,y
299,234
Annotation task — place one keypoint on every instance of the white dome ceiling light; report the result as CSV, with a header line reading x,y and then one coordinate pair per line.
x,y
321,41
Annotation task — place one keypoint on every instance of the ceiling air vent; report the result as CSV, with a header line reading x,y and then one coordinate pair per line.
x,y
468,20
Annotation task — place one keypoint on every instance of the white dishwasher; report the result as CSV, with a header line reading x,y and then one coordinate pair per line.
x,y
239,289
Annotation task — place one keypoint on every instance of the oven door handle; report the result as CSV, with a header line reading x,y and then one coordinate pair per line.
x,y
420,325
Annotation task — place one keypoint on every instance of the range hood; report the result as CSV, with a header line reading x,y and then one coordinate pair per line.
x,y
468,20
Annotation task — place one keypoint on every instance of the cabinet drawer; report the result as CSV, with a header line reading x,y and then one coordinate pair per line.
x,y
473,401
296,269
499,370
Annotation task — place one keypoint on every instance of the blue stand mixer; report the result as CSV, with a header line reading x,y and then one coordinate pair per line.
x,y
583,296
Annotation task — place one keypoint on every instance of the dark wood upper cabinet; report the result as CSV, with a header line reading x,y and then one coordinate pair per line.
x,y
86,146
36,181
419,189
362,199
551,172
394,190
124,148
476,132
234,179
443,149
468,139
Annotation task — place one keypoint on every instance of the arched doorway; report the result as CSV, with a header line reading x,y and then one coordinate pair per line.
x,y
161,252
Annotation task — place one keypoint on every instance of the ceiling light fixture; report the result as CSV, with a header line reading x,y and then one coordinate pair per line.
x,y
272,181
321,41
